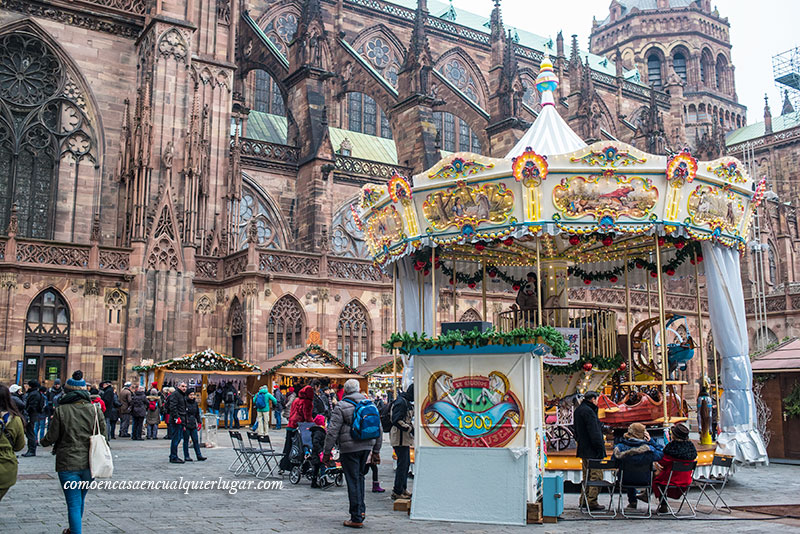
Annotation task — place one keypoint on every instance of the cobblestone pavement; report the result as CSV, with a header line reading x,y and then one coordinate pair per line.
x,y
36,505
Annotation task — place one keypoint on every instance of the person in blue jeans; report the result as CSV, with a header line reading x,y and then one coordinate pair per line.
x,y
280,396
74,422
40,427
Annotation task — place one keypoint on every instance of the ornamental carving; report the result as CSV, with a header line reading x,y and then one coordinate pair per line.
x,y
458,168
115,299
64,256
114,260
30,72
206,268
91,288
172,43
80,18
163,256
285,263
204,305
716,208
609,156
351,270
8,280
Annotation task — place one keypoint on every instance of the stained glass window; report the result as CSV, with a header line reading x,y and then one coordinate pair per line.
x,y
267,97
455,132
654,70
449,137
362,116
369,115
352,334
253,205
679,64
40,123
285,327
463,136
355,120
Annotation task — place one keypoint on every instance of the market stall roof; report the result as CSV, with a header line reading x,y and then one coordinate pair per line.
x,y
311,361
207,361
381,364
784,358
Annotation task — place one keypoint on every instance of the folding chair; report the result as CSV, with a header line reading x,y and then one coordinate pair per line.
x,y
636,472
243,461
603,465
677,467
271,457
715,484
256,458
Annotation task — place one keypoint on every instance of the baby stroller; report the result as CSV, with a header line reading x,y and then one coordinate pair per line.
x,y
329,475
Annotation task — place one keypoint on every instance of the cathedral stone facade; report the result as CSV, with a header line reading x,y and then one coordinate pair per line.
x,y
178,174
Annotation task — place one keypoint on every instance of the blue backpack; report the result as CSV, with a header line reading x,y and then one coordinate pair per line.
x,y
366,420
261,401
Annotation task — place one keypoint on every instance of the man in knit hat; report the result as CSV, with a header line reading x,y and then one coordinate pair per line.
x,y
34,408
635,454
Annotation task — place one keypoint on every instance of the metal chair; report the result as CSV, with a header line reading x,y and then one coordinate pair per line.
x,y
602,465
271,458
717,485
635,472
244,455
677,467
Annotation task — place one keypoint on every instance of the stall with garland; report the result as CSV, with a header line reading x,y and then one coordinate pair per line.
x,y
204,370
383,373
306,364
553,215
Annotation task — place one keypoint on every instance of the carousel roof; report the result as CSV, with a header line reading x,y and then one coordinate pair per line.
x,y
600,204
205,360
549,133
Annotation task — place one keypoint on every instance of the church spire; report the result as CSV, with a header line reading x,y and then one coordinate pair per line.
x,y
787,104
418,62
767,116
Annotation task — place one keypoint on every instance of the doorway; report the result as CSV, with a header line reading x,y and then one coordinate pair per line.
x,y
46,338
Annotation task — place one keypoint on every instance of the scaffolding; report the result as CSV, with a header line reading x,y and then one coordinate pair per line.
x,y
786,72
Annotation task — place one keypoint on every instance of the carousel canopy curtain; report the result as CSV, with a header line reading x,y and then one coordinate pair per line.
x,y
739,437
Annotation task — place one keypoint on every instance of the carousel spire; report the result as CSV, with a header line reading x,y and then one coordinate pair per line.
x,y
549,133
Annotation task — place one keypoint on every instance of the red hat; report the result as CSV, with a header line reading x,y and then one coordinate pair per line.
x,y
319,420
154,384
291,389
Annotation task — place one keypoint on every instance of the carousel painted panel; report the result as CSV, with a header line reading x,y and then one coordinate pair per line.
x,y
471,400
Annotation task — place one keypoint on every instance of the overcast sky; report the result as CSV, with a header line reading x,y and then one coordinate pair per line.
x,y
758,31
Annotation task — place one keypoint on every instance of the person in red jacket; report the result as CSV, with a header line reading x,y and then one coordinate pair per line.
x,y
679,449
301,412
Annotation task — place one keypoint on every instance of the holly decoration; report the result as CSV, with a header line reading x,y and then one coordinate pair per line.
x,y
613,279
479,246
587,366
508,241
623,366
574,240
608,241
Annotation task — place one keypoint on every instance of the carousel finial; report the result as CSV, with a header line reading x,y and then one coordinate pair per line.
x,y
547,81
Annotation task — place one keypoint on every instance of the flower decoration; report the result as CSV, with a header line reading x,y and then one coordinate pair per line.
x,y
356,218
399,189
370,194
529,168
682,168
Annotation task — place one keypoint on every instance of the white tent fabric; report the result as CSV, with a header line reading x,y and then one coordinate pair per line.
x,y
549,133
739,437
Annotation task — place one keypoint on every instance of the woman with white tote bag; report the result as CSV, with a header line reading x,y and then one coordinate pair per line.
x,y
71,432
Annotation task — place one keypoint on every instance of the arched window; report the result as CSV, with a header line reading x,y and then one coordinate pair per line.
x,y
455,135
530,97
455,70
281,30
773,268
352,334
764,338
365,116
38,124
679,64
267,97
691,116
253,205
346,238
470,316
47,328
701,113
721,68
236,322
654,70
706,66
285,327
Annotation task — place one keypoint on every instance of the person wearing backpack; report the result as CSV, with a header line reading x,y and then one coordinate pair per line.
x,y
280,397
12,439
229,398
153,414
70,433
350,420
262,402
401,436
139,405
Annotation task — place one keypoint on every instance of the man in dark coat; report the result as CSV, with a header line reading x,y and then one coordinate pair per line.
x,y
138,412
34,408
176,409
112,411
591,444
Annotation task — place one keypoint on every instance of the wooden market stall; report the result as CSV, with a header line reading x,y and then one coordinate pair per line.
x,y
306,364
201,370
383,373
778,371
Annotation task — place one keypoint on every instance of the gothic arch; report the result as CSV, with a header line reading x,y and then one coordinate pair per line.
x,y
531,95
273,230
655,60
286,326
346,238
236,318
47,336
454,73
470,315
280,22
45,119
353,334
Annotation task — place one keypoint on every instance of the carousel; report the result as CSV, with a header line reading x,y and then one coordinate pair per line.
x,y
557,216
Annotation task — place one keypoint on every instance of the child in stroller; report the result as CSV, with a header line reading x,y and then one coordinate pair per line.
x,y
311,467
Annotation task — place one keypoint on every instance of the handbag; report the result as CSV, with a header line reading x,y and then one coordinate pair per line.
x,y
101,463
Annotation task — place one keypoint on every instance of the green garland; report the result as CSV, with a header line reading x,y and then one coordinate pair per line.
x,y
408,343
689,249
327,356
601,364
204,360
792,402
